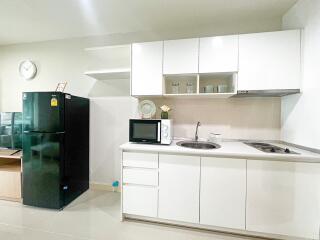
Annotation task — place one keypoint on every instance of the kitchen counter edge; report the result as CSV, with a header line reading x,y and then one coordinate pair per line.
x,y
304,156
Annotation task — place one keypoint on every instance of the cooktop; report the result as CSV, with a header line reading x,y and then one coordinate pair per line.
x,y
269,148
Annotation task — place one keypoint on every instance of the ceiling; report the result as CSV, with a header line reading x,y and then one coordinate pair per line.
x,y
41,20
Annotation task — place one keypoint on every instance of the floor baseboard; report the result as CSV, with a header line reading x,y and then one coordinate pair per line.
x,y
103,187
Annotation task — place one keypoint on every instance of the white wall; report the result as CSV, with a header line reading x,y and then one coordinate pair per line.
x,y
57,61
109,121
301,113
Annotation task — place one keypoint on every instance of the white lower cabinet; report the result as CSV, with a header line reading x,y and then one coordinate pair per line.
x,y
179,186
140,183
284,198
142,176
140,160
223,192
261,196
140,200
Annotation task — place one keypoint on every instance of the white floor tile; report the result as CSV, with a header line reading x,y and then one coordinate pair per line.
x,y
8,232
93,216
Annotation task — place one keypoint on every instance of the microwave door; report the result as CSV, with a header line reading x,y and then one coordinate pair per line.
x,y
145,131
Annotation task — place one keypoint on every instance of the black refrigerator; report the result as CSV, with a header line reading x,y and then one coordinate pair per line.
x,y
55,148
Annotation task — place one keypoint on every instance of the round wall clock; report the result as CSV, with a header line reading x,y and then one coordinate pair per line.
x,y
27,70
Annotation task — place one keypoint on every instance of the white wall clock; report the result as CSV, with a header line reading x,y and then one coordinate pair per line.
x,y
27,69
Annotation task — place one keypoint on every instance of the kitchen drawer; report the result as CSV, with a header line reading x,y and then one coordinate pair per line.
x,y
10,185
140,200
140,176
142,160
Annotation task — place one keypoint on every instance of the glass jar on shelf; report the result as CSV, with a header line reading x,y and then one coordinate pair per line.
x,y
190,87
175,87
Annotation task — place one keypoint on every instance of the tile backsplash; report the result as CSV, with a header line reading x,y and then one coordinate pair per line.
x,y
240,118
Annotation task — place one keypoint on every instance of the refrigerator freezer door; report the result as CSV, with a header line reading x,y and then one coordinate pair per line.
x,y
43,112
42,170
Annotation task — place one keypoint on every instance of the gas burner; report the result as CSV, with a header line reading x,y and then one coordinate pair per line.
x,y
269,148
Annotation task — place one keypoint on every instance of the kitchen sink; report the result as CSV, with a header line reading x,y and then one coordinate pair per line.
x,y
198,145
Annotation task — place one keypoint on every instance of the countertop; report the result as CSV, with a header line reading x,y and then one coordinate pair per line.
x,y
229,149
6,154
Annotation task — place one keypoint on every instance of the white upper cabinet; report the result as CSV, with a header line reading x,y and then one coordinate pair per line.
x,y
146,69
283,198
218,54
262,61
181,56
179,178
223,192
269,60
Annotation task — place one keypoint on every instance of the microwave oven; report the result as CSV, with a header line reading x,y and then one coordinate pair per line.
x,y
156,131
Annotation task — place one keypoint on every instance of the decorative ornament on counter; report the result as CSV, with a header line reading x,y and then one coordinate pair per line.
x,y
61,87
115,185
147,109
214,138
165,111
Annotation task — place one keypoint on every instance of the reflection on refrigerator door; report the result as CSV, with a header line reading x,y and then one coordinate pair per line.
x,y
42,159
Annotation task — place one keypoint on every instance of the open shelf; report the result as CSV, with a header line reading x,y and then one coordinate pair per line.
x,y
214,85
217,83
109,62
109,74
180,84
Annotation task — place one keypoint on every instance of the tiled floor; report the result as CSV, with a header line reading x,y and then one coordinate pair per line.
x,y
95,215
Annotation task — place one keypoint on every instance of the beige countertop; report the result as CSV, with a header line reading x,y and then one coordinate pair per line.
x,y
6,154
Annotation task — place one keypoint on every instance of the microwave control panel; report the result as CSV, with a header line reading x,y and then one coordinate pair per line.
x,y
166,131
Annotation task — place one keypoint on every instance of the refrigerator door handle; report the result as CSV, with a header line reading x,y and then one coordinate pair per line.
x,y
44,132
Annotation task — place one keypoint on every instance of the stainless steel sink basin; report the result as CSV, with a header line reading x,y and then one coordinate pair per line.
x,y
198,145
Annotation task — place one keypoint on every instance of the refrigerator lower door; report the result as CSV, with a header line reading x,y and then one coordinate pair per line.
x,y
43,158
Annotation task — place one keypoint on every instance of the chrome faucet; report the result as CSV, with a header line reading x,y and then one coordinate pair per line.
x,y
196,135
